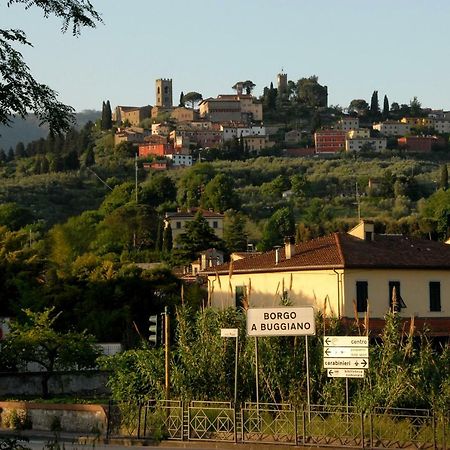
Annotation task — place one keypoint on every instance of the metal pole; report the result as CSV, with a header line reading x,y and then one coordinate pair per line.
x,y
257,373
167,350
236,370
136,176
346,394
307,378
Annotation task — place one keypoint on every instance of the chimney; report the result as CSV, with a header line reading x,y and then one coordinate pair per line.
x,y
277,255
289,247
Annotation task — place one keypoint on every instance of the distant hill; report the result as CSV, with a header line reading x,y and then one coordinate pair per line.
x,y
27,130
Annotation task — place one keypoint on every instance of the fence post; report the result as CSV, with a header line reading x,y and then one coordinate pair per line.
x,y
295,426
108,421
433,419
139,421
145,418
304,426
235,424
363,440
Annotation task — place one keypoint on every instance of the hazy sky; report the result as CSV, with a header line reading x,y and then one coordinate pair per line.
x,y
398,47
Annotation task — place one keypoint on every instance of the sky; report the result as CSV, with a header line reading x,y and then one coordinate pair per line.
x,y
401,48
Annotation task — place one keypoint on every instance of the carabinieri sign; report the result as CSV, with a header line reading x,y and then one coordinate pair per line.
x,y
281,321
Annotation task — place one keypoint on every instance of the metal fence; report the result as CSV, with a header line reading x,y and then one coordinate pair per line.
x,y
316,425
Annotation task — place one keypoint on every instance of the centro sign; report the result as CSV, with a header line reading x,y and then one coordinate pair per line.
x,y
281,321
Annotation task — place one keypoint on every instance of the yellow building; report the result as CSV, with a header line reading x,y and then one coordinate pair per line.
x,y
343,272
178,220
133,115
419,121
257,143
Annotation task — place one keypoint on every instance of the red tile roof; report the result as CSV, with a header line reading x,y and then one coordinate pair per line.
x,y
342,250
191,213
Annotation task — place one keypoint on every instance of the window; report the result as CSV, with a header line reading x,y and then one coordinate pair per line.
x,y
362,294
215,224
178,225
435,296
239,295
396,302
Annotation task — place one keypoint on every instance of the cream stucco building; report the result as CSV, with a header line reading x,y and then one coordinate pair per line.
x,y
343,272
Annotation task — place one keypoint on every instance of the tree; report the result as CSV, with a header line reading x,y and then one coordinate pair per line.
x,y
234,233
192,98
198,236
415,107
444,177
359,106
385,108
20,93
279,226
106,123
374,105
248,85
167,243
15,216
181,102
37,340
311,93
219,194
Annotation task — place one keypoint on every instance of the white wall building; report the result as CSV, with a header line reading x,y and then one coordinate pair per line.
x,y
392,128
180,160
355,145
230,132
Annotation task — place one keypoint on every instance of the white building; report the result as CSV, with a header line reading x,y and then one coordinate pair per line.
x,y
229,131
355,145
392,128
179,159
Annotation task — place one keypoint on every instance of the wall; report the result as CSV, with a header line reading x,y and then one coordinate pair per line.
x,y
72,418
29,383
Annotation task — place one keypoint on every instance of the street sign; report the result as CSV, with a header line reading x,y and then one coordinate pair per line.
x,y
346,363
345,373
346,352
229,332
281,321
346,341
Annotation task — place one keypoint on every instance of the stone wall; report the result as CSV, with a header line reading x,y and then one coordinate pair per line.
x,y
73,383
47,417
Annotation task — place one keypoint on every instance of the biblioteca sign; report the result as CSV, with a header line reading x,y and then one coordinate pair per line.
x,y
281,321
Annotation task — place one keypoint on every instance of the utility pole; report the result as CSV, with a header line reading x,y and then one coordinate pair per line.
x,y
167,351
136,177
358,202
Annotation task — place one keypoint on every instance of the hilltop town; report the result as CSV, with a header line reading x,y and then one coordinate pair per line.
x,y
293,119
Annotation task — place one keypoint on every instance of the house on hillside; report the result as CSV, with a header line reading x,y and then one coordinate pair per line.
x,y
178,220
344,272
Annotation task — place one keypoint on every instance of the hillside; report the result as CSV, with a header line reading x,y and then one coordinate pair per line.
x,y
27,130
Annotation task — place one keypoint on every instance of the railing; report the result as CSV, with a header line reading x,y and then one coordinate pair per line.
x,y
318,425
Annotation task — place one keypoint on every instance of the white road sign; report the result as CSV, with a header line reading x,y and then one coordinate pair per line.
x,y
346,352
281,321
345,373
229,332
346,363
346,341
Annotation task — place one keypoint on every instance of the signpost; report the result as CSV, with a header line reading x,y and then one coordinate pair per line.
x,y
281,321
233,333
346,352
346,357
346,373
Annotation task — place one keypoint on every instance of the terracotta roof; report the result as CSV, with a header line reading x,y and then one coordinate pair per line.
x,y
192,212
341,250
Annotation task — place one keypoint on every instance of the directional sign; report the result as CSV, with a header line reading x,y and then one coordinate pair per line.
x,y
346,341
281,321
345,373
229,332
346,363
346,352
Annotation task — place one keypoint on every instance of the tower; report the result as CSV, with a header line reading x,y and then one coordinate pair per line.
x,y
282,82
164,93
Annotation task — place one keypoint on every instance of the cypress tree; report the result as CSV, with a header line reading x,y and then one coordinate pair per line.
x,y
181,104
444,177
374,105
385,108
167,239
108,116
